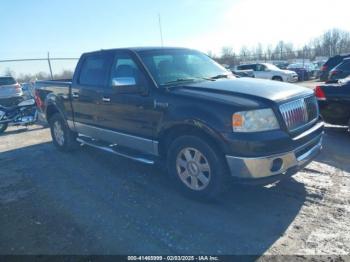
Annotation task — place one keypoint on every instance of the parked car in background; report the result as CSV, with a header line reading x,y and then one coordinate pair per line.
x,y
305,71
10,91
180,107
270,71
330,64
317,68
334,102
341,71
301,70
282,65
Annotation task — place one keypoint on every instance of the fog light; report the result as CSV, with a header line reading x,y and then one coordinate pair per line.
x,y
276,165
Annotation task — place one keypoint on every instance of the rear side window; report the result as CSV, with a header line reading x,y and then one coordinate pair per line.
x,y
7,81
334,61
95,70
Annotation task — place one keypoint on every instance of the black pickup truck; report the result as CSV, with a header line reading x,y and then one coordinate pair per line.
x,y
180,107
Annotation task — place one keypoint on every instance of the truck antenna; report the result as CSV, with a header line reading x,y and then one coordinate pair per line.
x,y
160,30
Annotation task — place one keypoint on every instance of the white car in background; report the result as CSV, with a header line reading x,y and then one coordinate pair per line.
x,y
10,91
270,71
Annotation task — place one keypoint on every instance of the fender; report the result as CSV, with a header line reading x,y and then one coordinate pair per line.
x,y
186,116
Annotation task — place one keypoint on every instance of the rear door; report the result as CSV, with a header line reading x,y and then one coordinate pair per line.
x,y
92,78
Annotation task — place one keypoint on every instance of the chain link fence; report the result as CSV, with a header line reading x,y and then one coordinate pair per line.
x,y
44,68
304,56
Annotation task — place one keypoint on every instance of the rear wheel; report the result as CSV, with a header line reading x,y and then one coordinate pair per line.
x,y
198,169
62,137
3,127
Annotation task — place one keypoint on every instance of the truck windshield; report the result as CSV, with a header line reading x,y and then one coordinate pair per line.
x,y
172,66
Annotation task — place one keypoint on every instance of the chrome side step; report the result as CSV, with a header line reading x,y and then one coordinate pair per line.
x,y
113,151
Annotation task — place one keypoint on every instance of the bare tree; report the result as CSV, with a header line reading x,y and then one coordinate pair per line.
x,y
9,72
332,42
244,54
227,56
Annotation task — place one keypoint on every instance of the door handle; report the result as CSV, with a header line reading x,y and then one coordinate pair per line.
x,y
106,99
75,95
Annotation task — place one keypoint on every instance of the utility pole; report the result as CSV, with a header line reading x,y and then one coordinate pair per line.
x,y
160,30
48,60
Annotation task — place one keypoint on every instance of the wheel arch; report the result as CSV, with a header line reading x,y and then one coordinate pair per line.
x,y
277,77
52,107
174,131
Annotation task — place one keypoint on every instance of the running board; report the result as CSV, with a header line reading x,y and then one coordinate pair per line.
x,y
109,149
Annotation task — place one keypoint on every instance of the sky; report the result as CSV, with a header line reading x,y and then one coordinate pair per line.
x,y
67,28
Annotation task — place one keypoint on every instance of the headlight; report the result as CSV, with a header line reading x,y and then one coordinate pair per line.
x,y
254,121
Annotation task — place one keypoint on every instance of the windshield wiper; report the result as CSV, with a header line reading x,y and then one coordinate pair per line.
x,y
219,76
180,80
174,83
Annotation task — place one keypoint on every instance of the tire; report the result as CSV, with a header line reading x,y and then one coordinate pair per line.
x,y
62,137
277,78
3,127
204,179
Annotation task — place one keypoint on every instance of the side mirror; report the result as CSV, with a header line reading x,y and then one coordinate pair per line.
x,y
123,81
127,85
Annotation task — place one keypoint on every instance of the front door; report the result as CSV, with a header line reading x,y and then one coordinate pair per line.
x,y
126,107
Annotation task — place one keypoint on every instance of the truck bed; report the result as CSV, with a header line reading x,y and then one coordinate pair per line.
x,y
60,89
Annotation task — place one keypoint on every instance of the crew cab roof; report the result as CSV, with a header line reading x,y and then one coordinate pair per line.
x,y
139,49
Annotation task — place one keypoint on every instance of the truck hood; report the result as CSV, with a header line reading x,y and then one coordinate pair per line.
x,y
249,87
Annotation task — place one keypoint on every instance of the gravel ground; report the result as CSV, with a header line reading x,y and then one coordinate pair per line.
x,y
311,83
90,202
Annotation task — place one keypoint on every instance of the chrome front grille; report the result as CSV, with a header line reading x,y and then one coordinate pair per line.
x,y
298,113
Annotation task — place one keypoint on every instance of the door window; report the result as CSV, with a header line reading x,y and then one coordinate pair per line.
x,y
260,68
125,69
95,70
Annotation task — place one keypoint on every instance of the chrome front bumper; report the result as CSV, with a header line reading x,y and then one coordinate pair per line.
x,y
267,166
292,79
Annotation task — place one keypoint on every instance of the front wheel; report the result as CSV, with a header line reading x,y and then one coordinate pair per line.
x,y
62,137
3,127
197,167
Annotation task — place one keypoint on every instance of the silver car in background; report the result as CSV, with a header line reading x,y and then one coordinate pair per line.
x,y
10,91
